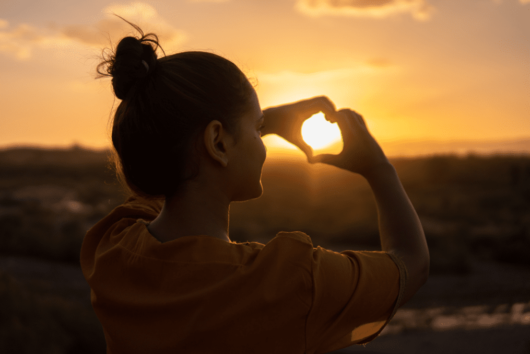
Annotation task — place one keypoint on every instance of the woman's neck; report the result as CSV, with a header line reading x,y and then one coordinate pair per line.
x,y
197,210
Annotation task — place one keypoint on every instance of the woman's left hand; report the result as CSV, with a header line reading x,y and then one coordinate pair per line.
x,y
286,120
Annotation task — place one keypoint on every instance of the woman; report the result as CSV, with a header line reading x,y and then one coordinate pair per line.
x,y
164,275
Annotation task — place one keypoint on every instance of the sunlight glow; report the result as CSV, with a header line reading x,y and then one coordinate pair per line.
x,y
319,133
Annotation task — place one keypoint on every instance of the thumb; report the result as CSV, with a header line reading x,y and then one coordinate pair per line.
x,y
324,158
302,145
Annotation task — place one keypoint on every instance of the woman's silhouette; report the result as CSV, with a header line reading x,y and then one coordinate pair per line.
x,y
164,275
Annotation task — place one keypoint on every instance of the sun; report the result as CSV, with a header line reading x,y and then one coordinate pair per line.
x,y
321,134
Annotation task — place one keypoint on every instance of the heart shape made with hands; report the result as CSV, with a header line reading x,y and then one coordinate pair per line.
x,y
321,135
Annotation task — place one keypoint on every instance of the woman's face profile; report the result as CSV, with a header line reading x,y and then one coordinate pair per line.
x,y
249,153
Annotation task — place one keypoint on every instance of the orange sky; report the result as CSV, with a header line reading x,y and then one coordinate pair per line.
x,y
417,70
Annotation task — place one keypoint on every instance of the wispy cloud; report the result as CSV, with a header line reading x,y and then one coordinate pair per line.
x,y
371,66
112,27
419,9
341,84
379,63
21,40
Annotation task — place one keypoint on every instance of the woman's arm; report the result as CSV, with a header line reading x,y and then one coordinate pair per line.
x,y
399,227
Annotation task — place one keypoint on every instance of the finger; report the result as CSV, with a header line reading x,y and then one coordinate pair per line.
x,y
328,109
361,120
317,104
342,118
354,119
331,117
352,113
302,145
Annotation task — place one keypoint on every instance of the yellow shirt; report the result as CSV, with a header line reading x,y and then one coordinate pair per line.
x,y
200,294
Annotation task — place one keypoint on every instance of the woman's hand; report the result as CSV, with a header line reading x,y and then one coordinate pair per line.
x,y
400,229
361,153
286,120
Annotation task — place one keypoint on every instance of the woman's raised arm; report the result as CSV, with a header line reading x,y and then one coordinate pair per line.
x,y
400,229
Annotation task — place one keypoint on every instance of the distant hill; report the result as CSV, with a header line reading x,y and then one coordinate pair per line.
x,y
398,148
73,156
420,148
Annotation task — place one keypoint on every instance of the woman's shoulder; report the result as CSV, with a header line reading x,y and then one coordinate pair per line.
x,y
118,221
293,248
293,237
149,208
132,209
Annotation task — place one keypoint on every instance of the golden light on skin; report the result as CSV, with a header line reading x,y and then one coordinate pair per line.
x,y
322,135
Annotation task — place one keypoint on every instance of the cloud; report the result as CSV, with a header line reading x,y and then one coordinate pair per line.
x,y
419,9
524,1
112,27
21,40
378,63
341,84
373,66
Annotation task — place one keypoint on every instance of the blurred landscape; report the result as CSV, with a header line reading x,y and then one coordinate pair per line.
x,y
475,210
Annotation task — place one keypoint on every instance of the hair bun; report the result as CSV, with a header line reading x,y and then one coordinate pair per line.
x,y
128,69
132,63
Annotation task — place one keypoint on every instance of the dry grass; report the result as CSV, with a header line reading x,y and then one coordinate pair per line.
x,y
38,322
471,208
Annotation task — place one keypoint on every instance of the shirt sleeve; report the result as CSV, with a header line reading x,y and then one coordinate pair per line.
x,y
355,294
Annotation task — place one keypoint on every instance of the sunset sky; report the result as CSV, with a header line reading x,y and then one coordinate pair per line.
x,y
417,70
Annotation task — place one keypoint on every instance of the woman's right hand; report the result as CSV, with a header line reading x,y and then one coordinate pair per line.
x,y
361,153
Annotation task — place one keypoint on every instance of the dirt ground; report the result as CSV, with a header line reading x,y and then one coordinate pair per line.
x,y
498,340
486,311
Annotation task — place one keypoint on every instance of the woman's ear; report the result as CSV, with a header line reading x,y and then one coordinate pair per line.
x,y
216,142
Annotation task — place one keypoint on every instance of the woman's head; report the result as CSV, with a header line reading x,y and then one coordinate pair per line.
x,y
167,103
